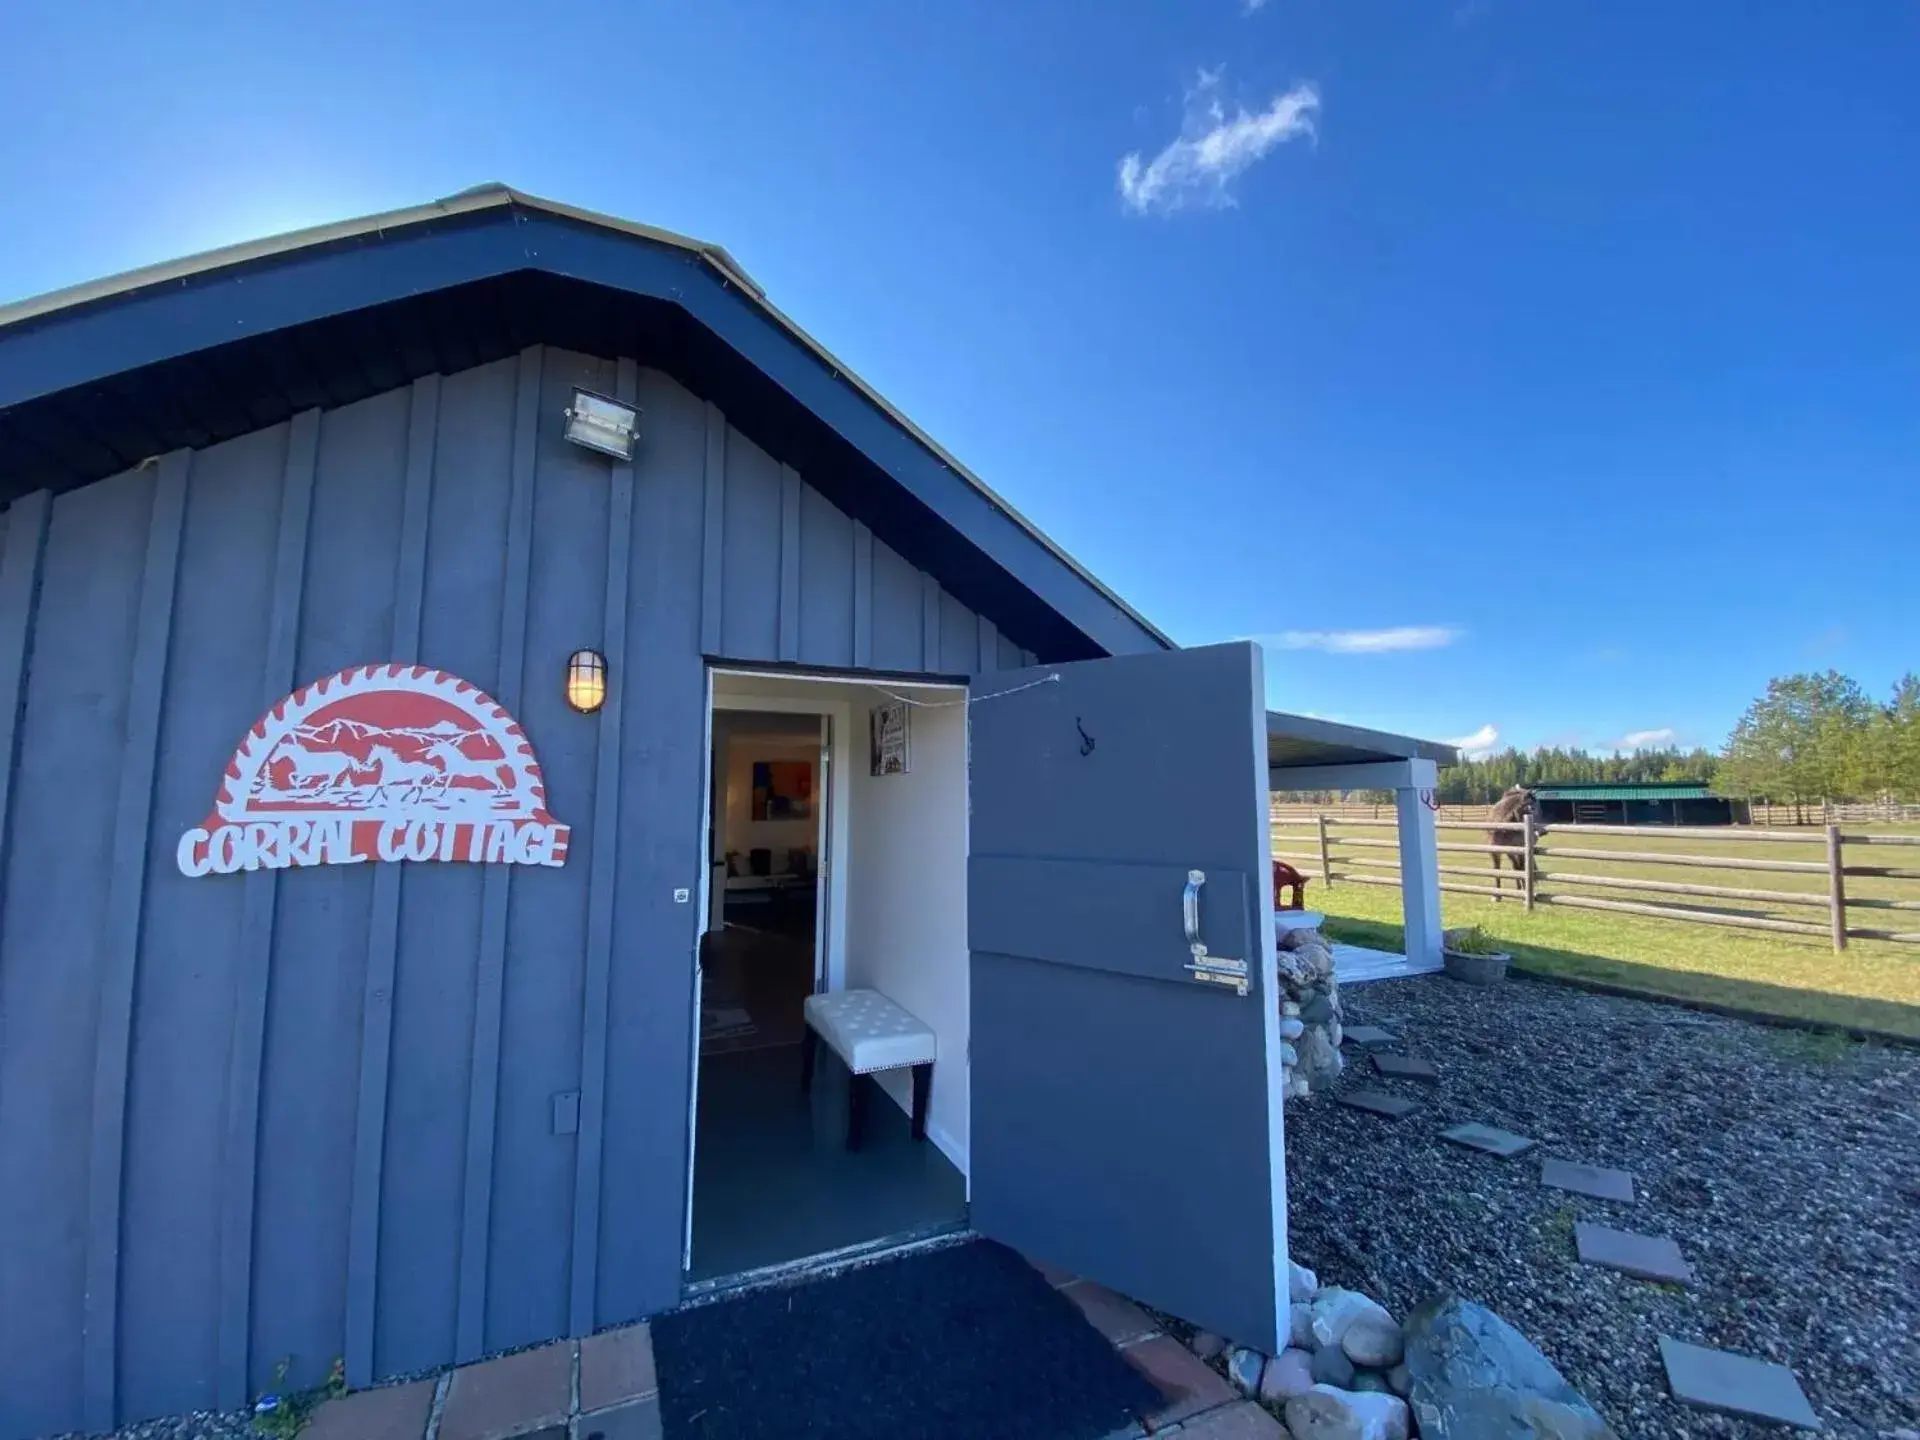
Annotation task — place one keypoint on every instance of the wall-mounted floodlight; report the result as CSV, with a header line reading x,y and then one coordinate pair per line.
x,y
602,424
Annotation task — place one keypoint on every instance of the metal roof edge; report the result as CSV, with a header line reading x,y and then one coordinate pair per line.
x,y
494,195
1407,747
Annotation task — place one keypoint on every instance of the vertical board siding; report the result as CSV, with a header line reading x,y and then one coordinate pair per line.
x,y
383,925
789,623
184,1008
309,1096
259,889
23,534
120,939
899,605
439,914
862,597
529,1272
308,1115
650,983
63,794
483,1098
602,879
713,528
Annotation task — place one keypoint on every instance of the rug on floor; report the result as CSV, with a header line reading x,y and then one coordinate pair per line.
x,y
948,1344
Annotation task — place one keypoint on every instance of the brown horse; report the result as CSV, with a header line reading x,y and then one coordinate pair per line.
x,y
1516,804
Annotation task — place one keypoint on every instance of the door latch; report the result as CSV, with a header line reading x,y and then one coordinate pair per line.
x,y
1211,969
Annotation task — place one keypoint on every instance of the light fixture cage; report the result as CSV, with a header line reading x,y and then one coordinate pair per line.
x,y
586,680
602,423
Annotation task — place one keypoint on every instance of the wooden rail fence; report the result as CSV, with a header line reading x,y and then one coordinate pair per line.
x,y
1523,845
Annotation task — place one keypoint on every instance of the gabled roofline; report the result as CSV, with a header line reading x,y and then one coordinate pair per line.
x,y
497,196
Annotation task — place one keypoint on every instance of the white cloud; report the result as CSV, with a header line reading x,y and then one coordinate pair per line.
x,y
1642,739
1365,642
1248,7
1480,744
1213,148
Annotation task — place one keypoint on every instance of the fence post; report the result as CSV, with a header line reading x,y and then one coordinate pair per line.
x,y
1527,832
1326,863
1836,888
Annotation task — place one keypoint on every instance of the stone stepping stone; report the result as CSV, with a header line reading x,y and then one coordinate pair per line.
x,y
1378,1102
1594,1180
1737,1384
1489,1138
1647,1257
1405,1067
1368,1035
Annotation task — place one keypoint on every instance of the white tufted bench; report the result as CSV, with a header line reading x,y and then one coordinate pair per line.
x,y
870,1033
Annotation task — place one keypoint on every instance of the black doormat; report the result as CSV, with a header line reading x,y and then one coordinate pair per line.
x,y
952,1344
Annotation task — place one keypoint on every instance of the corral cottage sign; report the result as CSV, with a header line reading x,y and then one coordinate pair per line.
x,y
380,762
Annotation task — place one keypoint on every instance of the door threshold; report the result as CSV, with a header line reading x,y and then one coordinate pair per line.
x,y
813,1267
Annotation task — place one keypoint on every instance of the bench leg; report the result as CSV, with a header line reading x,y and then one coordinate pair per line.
x,y
808,1042
922,1088
856,1110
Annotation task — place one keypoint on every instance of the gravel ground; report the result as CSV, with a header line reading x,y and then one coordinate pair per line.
x,y
1786,1165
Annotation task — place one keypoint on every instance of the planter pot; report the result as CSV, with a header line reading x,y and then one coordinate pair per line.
x,y
1476,969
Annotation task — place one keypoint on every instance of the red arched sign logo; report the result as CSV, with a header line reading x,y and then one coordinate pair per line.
x,y
380,762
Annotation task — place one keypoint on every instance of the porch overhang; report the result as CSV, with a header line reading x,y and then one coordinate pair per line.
x,y
1297,741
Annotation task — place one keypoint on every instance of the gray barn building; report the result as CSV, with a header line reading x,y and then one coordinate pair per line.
x,y
467,676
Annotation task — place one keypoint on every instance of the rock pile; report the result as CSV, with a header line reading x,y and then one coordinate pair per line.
x,y
1309,1012
1455,1371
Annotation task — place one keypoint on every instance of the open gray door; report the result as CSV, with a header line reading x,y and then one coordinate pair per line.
x,y
1125,1093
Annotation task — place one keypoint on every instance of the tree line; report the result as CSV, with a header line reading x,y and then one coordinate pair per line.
x,y
1482,781
1811,737
1821,736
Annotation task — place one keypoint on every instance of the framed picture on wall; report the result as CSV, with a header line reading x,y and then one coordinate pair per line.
x,y
889,738
782,790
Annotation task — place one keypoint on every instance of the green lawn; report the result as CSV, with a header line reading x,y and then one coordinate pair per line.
x,y
1872,985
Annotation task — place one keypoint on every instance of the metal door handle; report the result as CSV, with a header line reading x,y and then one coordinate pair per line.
x,y
1190,910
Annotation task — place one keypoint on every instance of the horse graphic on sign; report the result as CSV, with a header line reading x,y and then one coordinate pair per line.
x,y
379,762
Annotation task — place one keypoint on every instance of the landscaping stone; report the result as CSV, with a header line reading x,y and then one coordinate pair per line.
x,y
1370,1035
1398,1380
1374,1341
1288,1374
1244,1368
1648,1257
1301,1283
1737,1384
1328,1413
1330,1366
1474,1377
1490,1138
1378,1102
1336,1310
1372,1381
1206,1344
1594,1180
1291,1028
1300,1325
1404,1067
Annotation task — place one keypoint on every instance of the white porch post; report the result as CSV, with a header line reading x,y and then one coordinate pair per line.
x,y
1419,857
1419,862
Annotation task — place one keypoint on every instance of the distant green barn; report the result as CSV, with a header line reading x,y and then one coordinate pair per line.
x,y
1652,802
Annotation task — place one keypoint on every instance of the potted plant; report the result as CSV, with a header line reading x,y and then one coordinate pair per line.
x,y
1474,956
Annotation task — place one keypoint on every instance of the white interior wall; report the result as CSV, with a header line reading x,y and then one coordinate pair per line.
x,y
897,854
907,901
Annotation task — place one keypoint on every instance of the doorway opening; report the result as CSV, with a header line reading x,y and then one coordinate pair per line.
x,y
825,878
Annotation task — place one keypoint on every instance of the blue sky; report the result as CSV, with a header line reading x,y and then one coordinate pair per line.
x,y
1549,369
